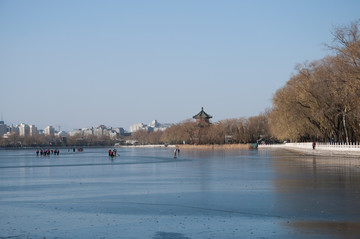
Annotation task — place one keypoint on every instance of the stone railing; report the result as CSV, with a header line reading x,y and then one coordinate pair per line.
x,y
320,147
339,145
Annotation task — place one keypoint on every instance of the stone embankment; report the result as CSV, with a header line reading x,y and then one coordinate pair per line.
x,y
216,146
196,147
335,149
146,146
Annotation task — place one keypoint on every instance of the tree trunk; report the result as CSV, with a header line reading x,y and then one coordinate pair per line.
x,y
345,129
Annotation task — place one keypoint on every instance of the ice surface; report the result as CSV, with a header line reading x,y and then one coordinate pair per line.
x,y
145,193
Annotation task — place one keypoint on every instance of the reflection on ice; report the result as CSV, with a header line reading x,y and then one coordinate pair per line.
x,y
336,229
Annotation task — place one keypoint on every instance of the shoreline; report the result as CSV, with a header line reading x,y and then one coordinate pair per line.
x,y
145,146
216,147
302,148
306,148
52,147
194,147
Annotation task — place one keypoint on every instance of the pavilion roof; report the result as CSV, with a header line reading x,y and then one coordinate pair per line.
x,y
202,115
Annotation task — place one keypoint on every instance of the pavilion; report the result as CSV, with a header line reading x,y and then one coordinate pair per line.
x,y
203,123
202,118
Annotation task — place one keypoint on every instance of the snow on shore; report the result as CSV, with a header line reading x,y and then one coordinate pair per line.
x,y
320,149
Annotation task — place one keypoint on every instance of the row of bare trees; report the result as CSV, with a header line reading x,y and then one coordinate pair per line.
x,y
14,140
322,100
243,130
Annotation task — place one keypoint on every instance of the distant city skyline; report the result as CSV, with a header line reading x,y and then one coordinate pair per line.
x,y
82,63
24,129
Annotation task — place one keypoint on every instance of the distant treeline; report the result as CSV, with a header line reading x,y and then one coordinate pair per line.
x,y
14,140
243,130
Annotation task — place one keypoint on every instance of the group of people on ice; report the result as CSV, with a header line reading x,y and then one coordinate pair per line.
x,y
113,153
44,152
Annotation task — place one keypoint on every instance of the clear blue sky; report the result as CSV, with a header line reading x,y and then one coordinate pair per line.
x,y
84,63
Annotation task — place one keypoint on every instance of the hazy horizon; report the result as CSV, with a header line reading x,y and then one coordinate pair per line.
x,y
85,63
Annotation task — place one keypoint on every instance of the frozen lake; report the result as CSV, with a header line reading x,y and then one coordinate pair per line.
x,y
145,193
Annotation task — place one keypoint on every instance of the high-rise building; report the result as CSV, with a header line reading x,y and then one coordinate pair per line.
x,y
13,129
136,127
154,124
87,131
75,132
33,130
49,130
24,129
119,130
3,128
99,130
